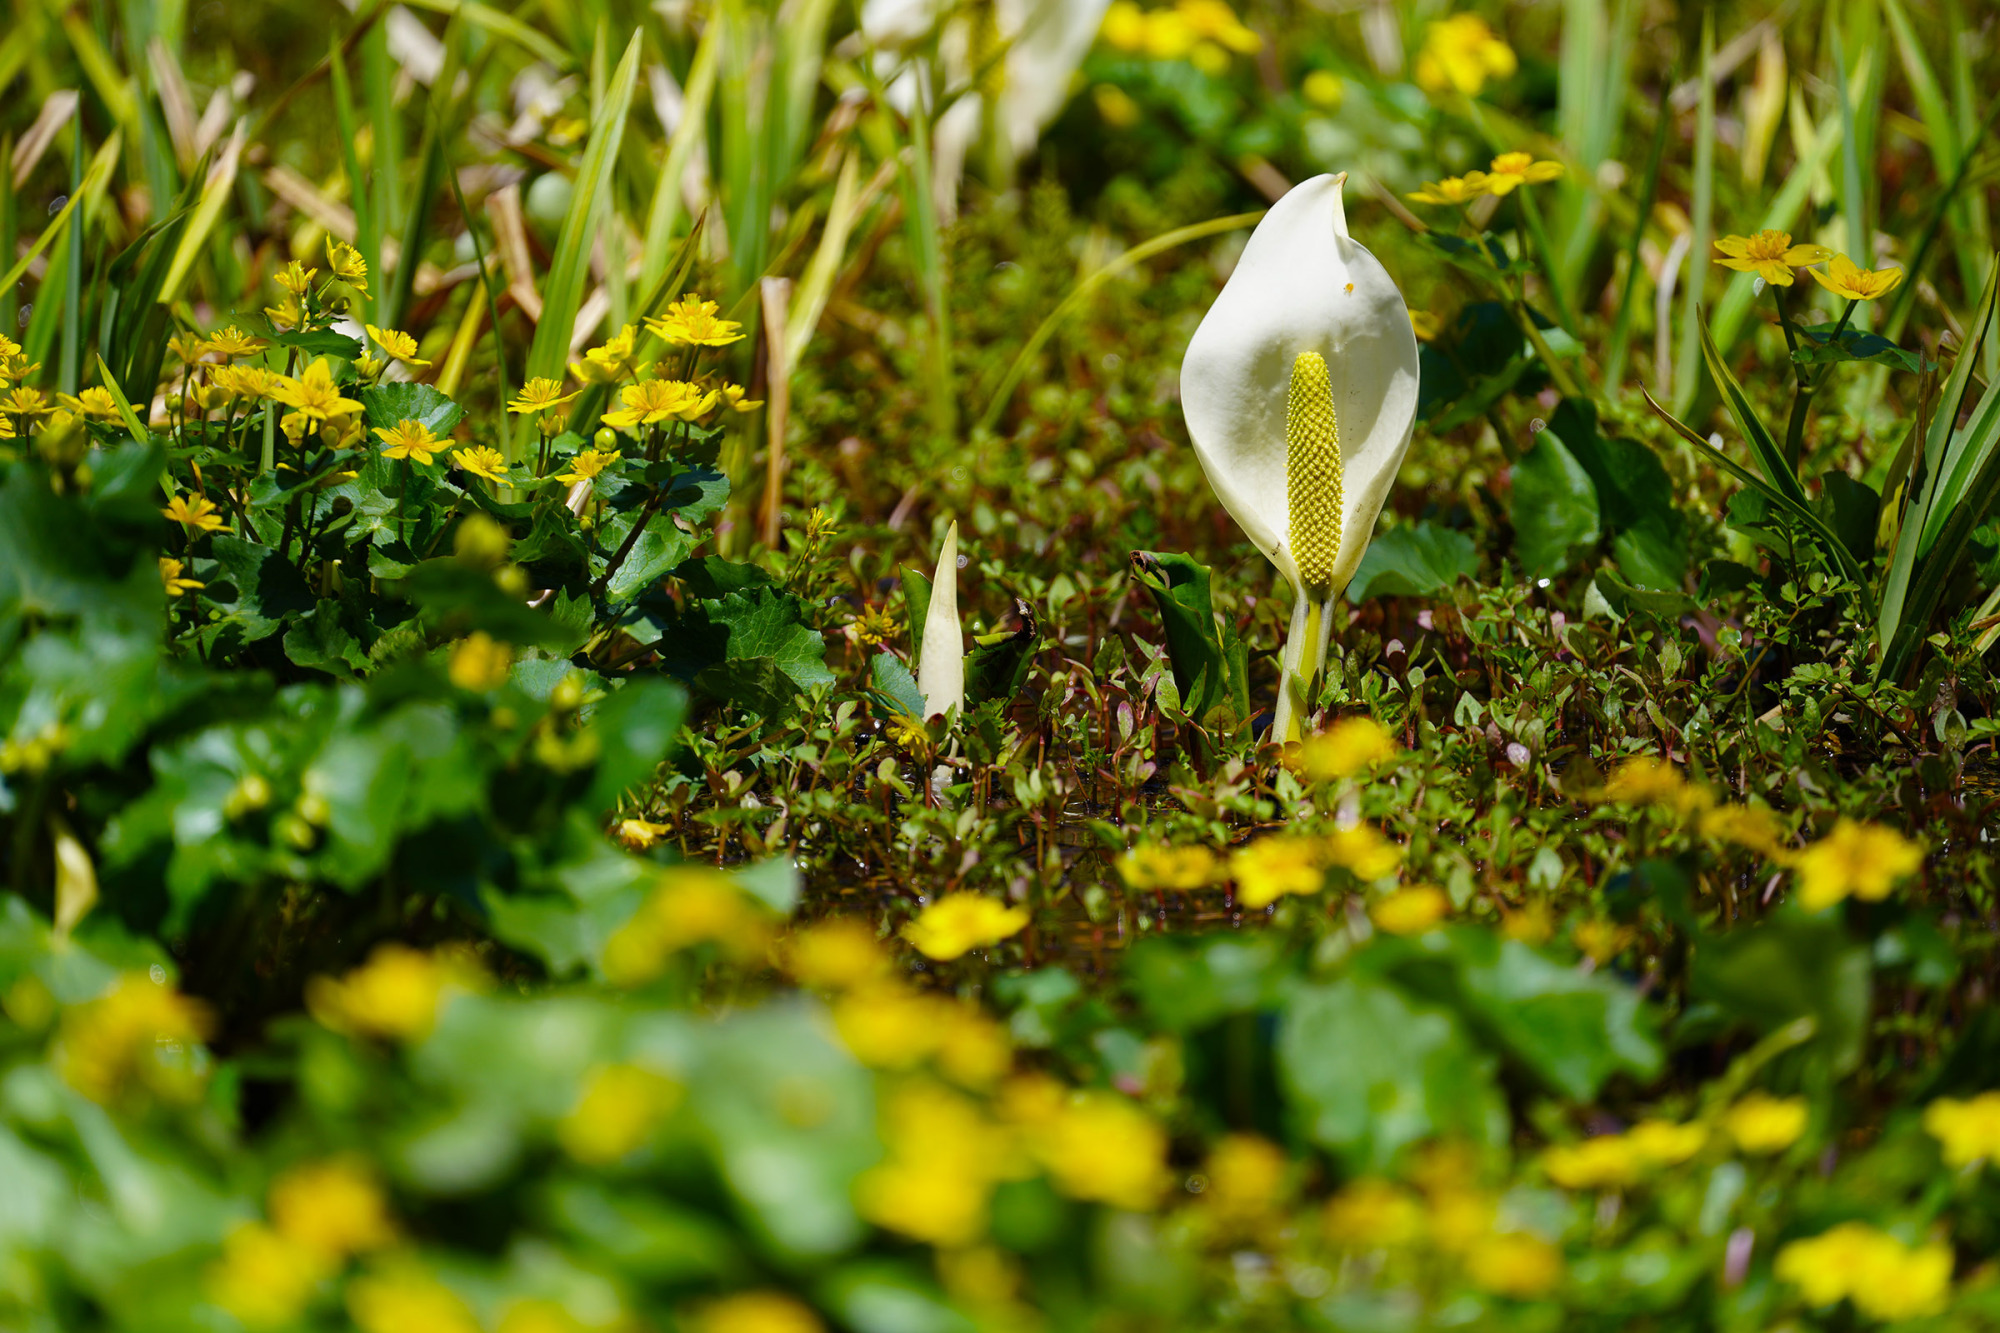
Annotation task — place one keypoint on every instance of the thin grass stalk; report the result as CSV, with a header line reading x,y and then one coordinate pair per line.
x,y
777,295
1686,382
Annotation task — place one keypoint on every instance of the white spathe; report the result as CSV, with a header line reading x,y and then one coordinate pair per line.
x,y
1302,285
941,662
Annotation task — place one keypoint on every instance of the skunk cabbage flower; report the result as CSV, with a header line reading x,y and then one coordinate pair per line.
x,y
1300,392
941,663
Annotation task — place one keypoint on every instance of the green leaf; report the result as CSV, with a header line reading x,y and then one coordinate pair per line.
x,y
321,642
1822,348
1555,508
1634,496
754,683
1372,1072
1627,600
894,684
461,598
998,663
1209,661
389,405
1186,984
635,726
1852,510
757,623
268,589
711,576
1413,560
1790,967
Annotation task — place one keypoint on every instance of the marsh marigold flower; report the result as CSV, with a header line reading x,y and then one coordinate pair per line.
x,y
734,398
539,395
1648,781
314,394
839,954
264,1277
409,440
619,1109
1608,1161
1246,1178
586,465
481,461
944,1159
1515,1264
1411,911
396,344
692,906
396,994
170,575
1511,170
1664,1143
335,1206
1769,254
1754,827
1761,1123
139,1032
616,360
1844,277
756,1312
650,402
480,662
402,1298
94,403
233,342
346,265
1099,1147
1272,867
1177,869
1884,1278
1373,1214
196,513
1865,860
1969,1130
1462,53
1344,749
692,322
958,923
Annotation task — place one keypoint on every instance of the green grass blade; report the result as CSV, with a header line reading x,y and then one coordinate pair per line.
x,y
215,192
1770,456
1853,185
1621,329
1699,254
665,210
589,202
367,229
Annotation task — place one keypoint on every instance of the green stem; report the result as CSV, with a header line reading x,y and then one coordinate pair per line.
x,y
1305,654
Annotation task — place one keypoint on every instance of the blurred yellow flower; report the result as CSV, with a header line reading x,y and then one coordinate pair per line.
x,y
539,395
1246,1178
1600,940
1755,827
958,923
889,1025
639,835
1168,35
1215,21
945,1157
586,465
1099,1147
1865,860
1452,189
402,1298
692,905
198,513
1761,1123
1272,867
409,440
620,1107
1363,852
481,461
1769,254
1663,1143
170,575
1372,1214
1346,748
265,1278
1462,53
334,1206
973,1051
1125,26
1609,1161
1844,277
1120,112
480,662
1411,911
1175,869
1511,170
736,398
1426,324
692,322
1969,1130
395,994
1885,1278
838,954
139,1032
1649,781
756,1312
1324,89
650,402
1514,1264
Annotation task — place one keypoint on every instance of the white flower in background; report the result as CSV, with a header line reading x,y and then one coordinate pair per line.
x,y
941,662
1300,392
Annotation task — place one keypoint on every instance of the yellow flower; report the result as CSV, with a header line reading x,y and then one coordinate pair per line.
x,y
170,574
620,1108
1099,1147
887,1025
1411,911
403,1298
1969,1130
295,279
335,1207
839,954
287,314
1514,1264
733,397
1461,52
944,1159
691,906
973,1051
1178,869
1648,781
1372,1214
1363,852
539,395
245,381
233,342
397,345
1345,749
1866,860
1452,189
408,440
396,993
480,662
1761,1123
1125,26
614,361
1601,941
691,322
1514,169
96,403
873,627
138,1032
639,835
958,923
1844,277
756,1312
347,265
1246,1178
1663,1143
1270,868
23,401
1885,1278
1120,112
1753,826
1769,254
1609,1161
481,461
652,401
1217,22
588,464
265,1278
1168,35
1324,89
314,394
197,512
1426,324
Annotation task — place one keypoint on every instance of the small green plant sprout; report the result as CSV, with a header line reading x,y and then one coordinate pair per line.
x,y
1300,391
